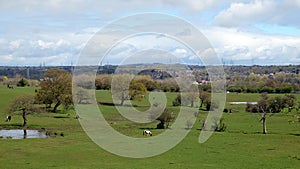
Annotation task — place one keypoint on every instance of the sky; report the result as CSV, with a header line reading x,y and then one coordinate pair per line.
x,y
55,32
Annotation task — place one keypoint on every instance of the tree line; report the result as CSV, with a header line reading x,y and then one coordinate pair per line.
x,y
280,82
55,89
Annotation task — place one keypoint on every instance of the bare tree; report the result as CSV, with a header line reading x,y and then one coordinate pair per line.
x,y
25,104
269,106
263,108
124,88
120,87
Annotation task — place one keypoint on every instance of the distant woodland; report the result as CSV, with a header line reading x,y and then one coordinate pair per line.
x,y
247,79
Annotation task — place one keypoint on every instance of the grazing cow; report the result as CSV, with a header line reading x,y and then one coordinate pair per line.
x,y
8,119
10,86
147,132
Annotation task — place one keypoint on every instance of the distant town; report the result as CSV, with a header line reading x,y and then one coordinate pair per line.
x,y
36,72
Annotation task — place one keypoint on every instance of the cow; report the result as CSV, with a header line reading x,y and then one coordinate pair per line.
x,y
10,86
147,132
8,119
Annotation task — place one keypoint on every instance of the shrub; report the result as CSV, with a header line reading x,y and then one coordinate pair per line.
x,y
221,127
252,108
22,83
177,101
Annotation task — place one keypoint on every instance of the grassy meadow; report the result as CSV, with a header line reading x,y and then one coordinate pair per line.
x,y
242,145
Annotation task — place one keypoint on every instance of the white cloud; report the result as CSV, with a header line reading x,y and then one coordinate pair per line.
x,y
55,31
8,58
194,6
34,52
284,12
232,44
246,13
180,51
43,45
105,8
15,44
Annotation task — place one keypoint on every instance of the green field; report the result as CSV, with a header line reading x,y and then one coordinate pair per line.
x,y
241,146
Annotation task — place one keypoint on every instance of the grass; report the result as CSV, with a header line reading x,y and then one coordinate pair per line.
x,y
241,146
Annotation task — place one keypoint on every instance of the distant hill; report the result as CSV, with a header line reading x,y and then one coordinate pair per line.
x,y
37,72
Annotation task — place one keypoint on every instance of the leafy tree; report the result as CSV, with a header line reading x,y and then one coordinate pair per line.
x,y
56,88
205,87
25,104
289,101
137,91
165,118
209,105
204,97
103,82
150,84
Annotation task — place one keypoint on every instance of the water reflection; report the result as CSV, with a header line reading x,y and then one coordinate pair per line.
x,y
25,134
22,134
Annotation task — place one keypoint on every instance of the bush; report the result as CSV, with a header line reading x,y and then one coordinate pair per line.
x,y
252,108
221,127
177,101
22,83
266,89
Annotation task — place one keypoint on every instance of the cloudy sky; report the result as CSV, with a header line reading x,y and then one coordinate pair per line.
x,y
54,32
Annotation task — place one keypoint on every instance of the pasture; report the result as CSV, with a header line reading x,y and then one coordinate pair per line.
x,y
241,146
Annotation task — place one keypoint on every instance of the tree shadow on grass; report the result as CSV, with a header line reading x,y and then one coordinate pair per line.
x,y
246,132
113,104
294,134
261,133
61,117
147,128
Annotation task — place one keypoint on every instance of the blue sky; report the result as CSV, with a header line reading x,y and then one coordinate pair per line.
x,y
54,32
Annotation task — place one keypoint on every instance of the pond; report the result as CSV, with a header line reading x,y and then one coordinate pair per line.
x,y
242,103
22,134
